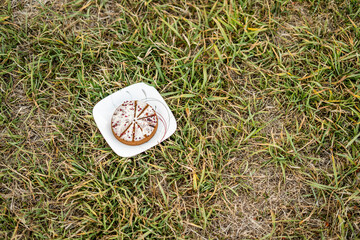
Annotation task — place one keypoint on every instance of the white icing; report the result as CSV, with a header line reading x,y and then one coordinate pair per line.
x,y
147,121
128,135
142,123
124,113
139,135
147,124
147,112
140,106
148,130
120,127
123,116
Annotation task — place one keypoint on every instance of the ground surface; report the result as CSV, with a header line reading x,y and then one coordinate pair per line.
x,y
267,98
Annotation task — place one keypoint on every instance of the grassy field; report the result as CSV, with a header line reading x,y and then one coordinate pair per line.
x,y
266,94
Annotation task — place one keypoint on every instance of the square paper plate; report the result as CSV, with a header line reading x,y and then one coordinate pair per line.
x,y
104,110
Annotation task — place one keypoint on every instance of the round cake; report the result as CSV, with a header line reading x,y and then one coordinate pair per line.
x,y
134,122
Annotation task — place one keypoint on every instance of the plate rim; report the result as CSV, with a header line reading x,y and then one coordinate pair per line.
x,y
170,132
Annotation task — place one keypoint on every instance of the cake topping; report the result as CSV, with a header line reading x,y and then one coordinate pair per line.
x,y
148,121
128,134
139,135
149,111
140,107
134,121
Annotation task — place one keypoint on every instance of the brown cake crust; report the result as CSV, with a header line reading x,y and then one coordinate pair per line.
x,y
134,120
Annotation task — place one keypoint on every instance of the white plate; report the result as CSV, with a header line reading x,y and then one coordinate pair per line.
x,y
104,110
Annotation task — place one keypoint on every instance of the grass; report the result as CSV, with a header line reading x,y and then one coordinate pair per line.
x,y
267,99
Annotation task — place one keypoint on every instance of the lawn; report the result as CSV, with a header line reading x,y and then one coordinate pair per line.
x,y
266,94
